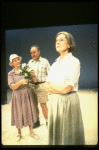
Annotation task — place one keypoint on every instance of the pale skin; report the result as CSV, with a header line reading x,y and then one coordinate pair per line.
x,y
35,54
62,46
16,62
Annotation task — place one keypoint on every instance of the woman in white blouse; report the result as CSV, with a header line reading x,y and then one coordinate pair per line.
x,y
65,125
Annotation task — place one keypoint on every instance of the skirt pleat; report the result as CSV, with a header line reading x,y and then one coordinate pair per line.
x,y
65,120
23,109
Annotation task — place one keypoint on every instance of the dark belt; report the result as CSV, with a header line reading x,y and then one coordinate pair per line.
x,y
38,83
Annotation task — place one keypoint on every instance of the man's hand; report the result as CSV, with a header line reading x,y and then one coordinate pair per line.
x,y
32,73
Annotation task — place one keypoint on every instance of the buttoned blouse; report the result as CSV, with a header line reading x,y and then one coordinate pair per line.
x,y
14,77
41,68
69,66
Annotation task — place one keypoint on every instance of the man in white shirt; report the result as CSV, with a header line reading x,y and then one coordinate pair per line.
x,y
41,68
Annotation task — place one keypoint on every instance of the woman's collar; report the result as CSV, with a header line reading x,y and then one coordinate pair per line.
x,y
66,57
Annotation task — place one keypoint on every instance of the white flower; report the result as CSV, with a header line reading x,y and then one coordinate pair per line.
x,y
29,69
26,74
23,65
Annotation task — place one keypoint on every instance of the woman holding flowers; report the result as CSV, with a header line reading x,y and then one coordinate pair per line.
x,y
23,112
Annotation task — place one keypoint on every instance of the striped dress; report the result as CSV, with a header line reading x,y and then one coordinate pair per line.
x,y
23,111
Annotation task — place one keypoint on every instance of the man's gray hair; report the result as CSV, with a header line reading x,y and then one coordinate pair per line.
x,y
38,48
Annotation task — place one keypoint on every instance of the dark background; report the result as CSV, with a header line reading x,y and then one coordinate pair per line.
x,y
38,23
19,42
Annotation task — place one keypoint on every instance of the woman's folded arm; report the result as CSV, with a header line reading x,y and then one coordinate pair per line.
x,y
57,88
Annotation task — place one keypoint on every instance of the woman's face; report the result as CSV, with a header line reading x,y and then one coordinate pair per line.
x,y
16,62
61,43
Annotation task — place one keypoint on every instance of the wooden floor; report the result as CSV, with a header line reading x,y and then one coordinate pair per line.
x,y
89,108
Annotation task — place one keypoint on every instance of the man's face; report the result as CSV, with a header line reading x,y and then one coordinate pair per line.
x,y
35,53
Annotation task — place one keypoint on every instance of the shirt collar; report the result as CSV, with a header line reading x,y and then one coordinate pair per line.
x,y
38,59
66,57
13,70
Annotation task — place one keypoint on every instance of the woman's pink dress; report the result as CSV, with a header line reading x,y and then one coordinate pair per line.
x,y
23,111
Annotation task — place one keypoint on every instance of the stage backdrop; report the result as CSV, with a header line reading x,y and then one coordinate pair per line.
x,y
19,42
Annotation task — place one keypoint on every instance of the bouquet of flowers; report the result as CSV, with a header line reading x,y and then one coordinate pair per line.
x,y
25,71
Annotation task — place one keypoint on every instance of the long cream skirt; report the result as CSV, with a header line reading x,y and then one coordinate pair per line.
x,y
65,125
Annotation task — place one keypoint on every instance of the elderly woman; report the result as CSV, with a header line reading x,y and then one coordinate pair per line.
x,y
65,125
23,112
